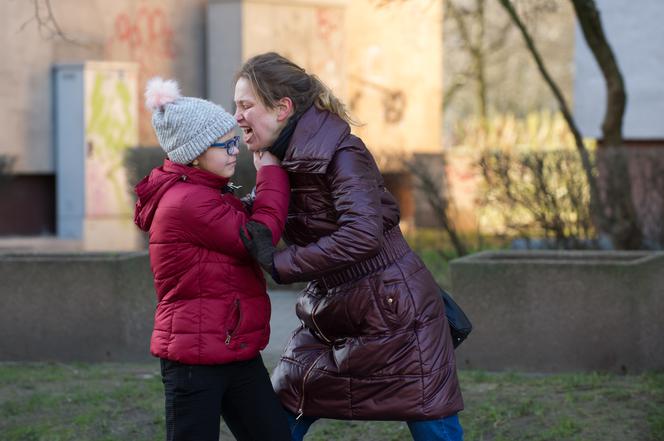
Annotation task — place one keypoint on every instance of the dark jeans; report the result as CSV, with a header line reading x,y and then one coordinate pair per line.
x,y
443,429
197,395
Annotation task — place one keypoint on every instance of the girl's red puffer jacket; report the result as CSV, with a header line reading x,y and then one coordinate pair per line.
x,y
212,302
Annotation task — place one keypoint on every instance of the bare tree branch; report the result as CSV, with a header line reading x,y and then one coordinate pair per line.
x,y
47,24
437,196
595,202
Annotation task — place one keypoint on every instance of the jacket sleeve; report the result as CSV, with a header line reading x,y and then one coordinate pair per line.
x,y
270,203
213,224
356,197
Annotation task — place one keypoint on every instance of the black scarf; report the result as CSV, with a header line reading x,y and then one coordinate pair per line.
x,y
282,142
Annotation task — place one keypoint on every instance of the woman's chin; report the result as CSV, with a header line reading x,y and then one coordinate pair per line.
x,y
253,145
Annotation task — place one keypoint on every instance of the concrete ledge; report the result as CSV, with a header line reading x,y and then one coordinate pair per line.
x,y
552,311
75,306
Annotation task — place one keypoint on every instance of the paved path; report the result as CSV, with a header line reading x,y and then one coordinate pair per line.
x,y
283,321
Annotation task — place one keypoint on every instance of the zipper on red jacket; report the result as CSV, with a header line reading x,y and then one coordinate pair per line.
x,y
300,410
230,332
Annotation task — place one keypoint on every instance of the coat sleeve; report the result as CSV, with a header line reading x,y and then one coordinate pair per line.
x,y
213,224
356,197
270,203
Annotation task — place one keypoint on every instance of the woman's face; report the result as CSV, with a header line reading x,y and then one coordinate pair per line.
x,y
260,125
219,160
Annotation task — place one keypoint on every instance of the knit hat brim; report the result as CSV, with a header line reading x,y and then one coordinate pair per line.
x,y
197,145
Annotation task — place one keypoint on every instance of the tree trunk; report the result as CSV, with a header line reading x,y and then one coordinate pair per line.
x,y
614,170
591,25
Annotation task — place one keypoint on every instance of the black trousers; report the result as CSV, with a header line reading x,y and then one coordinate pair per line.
x,y
241,392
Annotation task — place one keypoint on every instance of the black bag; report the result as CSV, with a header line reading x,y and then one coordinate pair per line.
x,y
460,325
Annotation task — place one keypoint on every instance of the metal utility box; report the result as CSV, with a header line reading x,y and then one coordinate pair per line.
x,y
96,120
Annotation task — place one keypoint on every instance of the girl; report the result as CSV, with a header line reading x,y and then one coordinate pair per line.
x,y
213,312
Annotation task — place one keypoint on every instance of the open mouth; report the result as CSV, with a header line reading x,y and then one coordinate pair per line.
x,y
247,133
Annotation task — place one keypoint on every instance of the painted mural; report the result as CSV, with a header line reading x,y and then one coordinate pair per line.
x,y
111,128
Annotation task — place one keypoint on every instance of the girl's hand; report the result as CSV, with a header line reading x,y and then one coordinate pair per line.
x,y
262,158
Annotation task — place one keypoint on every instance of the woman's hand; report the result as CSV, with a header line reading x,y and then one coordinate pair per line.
x,y
262,158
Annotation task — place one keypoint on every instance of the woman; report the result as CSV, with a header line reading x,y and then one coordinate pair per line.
x,y
213,312
374,342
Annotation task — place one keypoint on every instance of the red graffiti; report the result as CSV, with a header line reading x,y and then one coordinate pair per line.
x,y
147,38
148,32
327,22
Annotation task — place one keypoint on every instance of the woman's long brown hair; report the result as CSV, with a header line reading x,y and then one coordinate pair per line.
x,y
273,77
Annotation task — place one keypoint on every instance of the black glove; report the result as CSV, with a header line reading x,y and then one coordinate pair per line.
x,y
259,245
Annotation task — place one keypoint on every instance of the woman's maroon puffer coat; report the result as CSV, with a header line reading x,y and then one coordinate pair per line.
x,y
212,302
374,343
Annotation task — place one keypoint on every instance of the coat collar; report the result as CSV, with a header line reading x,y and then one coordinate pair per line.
x,y
195,175
316,138
153,187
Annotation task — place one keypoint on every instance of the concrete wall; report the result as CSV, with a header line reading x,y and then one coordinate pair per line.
x,y
531,311
562,311
76,307
94,307
635,33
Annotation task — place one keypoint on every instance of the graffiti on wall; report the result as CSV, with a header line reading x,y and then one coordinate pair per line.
x,y
145,37
111,128
328,46
312,36
148,31
393,100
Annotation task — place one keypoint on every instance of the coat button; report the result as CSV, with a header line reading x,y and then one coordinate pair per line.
x,y
390,300
183,177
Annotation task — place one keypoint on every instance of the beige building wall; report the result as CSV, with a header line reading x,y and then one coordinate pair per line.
x,y
395,74
165,37
309,32
385,62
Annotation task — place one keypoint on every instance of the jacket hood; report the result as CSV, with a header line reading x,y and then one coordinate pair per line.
x,y
153,187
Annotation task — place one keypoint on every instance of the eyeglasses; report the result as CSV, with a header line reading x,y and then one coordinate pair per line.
x,y
232,145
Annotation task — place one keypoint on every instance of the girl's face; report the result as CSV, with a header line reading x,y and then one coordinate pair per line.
x,y
260,125
219,160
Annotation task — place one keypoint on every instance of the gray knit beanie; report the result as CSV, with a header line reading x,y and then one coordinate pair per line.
x,y
185,126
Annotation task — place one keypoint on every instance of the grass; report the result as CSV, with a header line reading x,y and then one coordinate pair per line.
x,y
109,402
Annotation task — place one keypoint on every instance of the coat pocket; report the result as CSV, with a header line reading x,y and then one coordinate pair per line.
x,y
394,304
